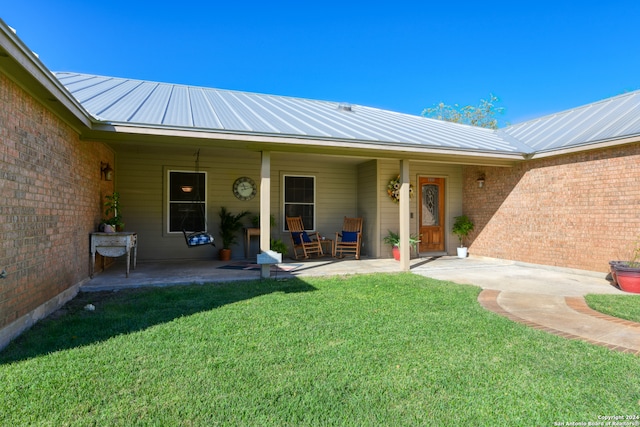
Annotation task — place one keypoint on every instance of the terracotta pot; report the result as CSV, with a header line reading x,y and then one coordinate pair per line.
x,y
628,278
396,253
224,254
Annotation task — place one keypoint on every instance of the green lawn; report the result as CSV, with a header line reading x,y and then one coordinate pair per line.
x,y
380,350
622,306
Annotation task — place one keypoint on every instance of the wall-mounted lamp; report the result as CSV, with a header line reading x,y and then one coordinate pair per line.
x,y
480,181
106,171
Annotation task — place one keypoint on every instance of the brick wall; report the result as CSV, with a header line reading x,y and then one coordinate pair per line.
x,y
50,200
575,211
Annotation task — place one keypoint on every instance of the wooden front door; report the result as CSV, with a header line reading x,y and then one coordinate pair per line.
x,y
431,214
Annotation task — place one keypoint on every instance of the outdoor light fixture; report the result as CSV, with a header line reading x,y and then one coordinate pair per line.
x,y
480,181
106,171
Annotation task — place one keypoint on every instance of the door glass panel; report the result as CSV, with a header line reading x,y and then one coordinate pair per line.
x,y
430,207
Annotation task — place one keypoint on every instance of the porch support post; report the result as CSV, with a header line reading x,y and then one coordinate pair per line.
x,y
265,210
405,209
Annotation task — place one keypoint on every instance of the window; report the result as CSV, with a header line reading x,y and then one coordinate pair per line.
x,y
187,201
300,199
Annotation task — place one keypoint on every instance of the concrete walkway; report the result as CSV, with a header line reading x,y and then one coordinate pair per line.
x,y
545,298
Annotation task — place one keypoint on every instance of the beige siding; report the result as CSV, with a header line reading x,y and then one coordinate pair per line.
x,y
141,179
336,190
368,208
343,188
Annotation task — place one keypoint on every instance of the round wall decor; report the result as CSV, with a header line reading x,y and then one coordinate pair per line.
x,y
244,188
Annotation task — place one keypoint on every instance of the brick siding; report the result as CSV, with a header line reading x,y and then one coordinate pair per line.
x,y
575,211
50,200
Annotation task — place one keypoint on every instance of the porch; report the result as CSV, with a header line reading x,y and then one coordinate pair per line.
x,y
181,272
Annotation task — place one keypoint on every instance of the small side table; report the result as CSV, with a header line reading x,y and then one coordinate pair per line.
x,y
248,232
327,244
114,245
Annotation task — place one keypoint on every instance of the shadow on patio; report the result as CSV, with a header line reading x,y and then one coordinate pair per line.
x,y
166,273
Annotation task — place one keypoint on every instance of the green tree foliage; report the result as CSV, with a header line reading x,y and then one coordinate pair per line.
x,y
483,115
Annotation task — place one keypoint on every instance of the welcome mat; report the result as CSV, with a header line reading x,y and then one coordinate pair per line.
x,y
248,266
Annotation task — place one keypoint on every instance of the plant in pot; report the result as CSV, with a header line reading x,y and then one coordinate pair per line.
x,y
230,224
255,221
113,214
278,245
626,274
462,226
393,239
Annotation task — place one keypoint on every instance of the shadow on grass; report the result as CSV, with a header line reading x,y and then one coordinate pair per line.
x,y
132,310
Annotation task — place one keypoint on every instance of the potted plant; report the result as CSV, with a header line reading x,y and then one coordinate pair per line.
x,y
255,221
626,274
461,228
230,224
393,239
278,245
113,214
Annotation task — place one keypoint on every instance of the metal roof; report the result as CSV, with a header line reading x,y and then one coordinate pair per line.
x,y
136,102
609,119
119,100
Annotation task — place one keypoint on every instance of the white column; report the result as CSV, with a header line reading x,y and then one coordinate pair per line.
x,y
405,213
265,210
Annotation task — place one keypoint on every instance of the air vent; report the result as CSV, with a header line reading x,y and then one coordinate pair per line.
x,y
345,106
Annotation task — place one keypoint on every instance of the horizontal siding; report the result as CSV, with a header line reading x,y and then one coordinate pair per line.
x,y
141,180
336,191
368,208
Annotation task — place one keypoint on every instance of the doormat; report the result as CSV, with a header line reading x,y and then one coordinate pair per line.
x,y
249,266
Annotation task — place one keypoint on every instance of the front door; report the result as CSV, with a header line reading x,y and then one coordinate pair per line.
x,y
431,214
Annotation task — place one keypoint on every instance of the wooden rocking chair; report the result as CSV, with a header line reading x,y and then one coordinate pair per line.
x,y
350,239
302,240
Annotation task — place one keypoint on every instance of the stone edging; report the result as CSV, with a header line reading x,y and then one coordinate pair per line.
x,y
488,299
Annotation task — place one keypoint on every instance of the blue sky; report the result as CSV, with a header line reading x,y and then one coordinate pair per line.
x,y
538,57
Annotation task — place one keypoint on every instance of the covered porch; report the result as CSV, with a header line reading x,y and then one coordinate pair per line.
x,y
185,272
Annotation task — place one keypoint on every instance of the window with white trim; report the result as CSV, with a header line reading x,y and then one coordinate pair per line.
x,y
187,201
300,199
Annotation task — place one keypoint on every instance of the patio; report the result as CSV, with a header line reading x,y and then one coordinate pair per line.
x,y
165,273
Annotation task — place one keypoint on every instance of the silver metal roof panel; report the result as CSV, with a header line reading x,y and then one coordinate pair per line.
x,y
120,100
612,118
